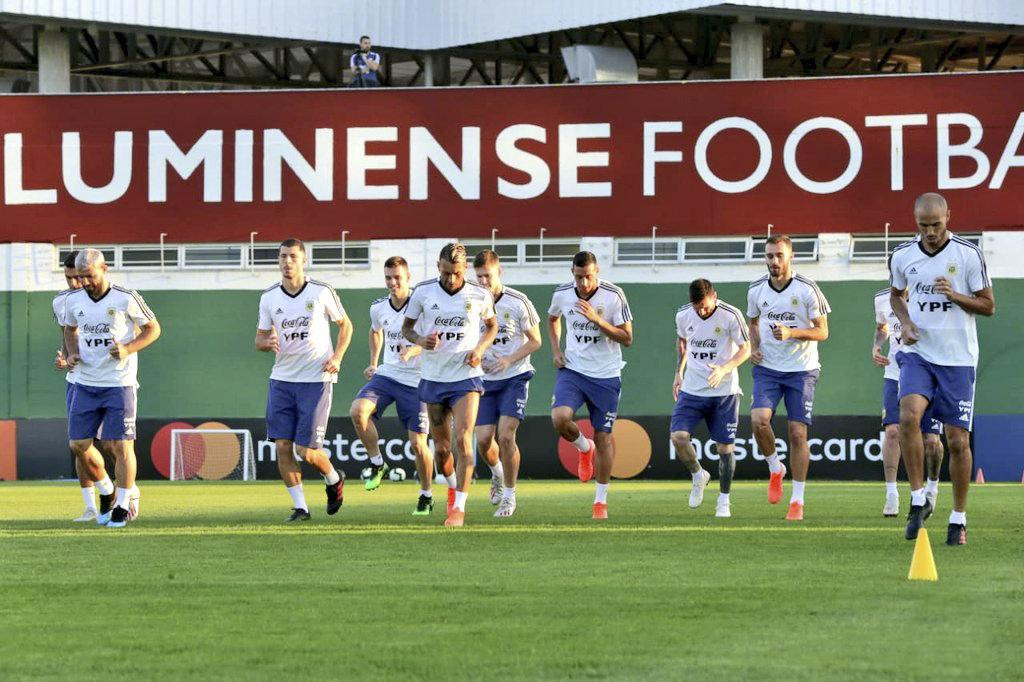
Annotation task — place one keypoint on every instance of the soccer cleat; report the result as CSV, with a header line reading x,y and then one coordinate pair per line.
x,y
424,506
585,469
600,510
932,497
956,534
336,494
916,517
775,486
722,510
929,507
795,512
298,515
133,504
892,506
451,500
506,508
87,515
697,493
106,503
496,484
456,518
379,473
118,518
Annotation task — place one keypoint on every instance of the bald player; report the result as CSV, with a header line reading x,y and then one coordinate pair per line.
x,y
939,284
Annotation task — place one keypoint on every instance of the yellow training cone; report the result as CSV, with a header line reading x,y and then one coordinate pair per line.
x,y
922,566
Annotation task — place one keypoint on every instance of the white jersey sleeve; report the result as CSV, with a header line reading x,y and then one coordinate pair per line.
x,y
138,311
415,307
332,304
975,272
265,322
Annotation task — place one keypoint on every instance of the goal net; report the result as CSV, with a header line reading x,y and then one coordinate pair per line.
x,y
212,455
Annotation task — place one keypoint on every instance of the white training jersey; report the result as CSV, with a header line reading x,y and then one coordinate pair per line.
x,y
303,324
516,315
388,320
587,349
711,341
58,317
948,336
457,318
885,315
100,322
795,305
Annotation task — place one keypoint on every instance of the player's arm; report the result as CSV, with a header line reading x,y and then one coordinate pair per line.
x,y
910,333
881,334
474,357
71,342
428,342
555,339
376,343
532,344
621,334
754,329
345,329
266,340
149,332
719,372
817,332
981,302
677,381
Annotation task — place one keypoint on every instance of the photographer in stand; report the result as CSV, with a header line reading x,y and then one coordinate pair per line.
x,y
364,64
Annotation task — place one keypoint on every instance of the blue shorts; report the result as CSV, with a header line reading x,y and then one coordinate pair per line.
x,y
504,398
382,391
722,414
891,409
298,411
109,410
796,388
69,394
949,390
447,393
601,397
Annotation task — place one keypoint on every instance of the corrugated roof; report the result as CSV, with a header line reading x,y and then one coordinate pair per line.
x,y
434,24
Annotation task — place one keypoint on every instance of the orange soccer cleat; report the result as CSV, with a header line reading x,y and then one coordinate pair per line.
x,y
775,486
600,510
585,469
455,519
451,500
796,511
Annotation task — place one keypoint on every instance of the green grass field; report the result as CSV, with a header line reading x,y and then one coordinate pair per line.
x,y
209,583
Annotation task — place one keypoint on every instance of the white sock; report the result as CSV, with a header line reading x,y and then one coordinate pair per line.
x,y
601,493
774,465
917,498
508,493
377,460
332,478
451,481
723,498
426,493
298,497
497,471
89,498
890,488
121,500
931,486
460,500
581,443
798,492
696,476
105,487
958,517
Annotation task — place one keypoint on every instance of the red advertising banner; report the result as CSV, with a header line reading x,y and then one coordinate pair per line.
x,y
700,158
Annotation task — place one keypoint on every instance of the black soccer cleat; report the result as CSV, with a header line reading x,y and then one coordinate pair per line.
x,y
298,515
916,517
956,534
336,495
424,506
118,518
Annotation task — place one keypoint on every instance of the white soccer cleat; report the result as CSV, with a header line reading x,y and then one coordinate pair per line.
x,y
932,497
496,484
133,503
104,519
697,494
722,509
892,506
506,508
87,515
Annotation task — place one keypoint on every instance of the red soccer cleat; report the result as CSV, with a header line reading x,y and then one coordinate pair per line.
x,y
775,486
796,512
585,469
455,519
451,500
600,510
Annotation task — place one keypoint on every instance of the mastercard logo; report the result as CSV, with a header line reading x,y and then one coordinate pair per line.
x,y
632,448
209,456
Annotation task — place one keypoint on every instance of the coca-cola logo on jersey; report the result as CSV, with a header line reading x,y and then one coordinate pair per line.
x,y
297,322
584,326
704,343
782,317
393,335
924,288
98,328
454,321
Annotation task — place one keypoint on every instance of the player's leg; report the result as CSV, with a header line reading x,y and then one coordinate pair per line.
x,y
933,455
510,458
603,406
953,405
85,412
890,469
568,397
313,408
686,414
723,419
291,475
424,471
363,413
766,395
118,429
487,449
282,419
726,471
464,417
439,417
798,394
961,463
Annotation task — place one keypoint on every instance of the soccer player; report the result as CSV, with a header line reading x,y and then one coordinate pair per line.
x,y
712,340
506,382
294,324
459,315
946,284
99,323
396,380
888,327
788,317
598,324
90,467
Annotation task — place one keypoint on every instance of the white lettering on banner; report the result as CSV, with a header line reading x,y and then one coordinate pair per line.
x,y
206,152
652,155
814,186
832,449
895,123
345,450
14,189
424,150
1010,157
318,178
359,162
764,155
531,164
570,159
968,148
71,169
243,165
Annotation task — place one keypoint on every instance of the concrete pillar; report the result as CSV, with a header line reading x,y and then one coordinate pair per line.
x,y
428,70
746,56
54,61
436,69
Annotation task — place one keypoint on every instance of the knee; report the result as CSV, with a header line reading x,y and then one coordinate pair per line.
x,y
285,449
602,439
892,432
80,447
959,444
358,413
507,441
681,439
797,435
760,421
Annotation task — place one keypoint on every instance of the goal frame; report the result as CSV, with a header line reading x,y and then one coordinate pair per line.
x,y
248,473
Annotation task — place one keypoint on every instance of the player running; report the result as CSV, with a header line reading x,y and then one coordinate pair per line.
x,y
506,382
888,327
939,283
90,467
395,380
100,321
460,318
712,340
788,317
294,324
598,324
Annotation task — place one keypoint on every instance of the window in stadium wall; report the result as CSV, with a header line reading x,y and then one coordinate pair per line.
x,y
508,252
263,255
356,253
647,251
804,249
715,250
873,247
549,252
212,256
148,257
109,254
